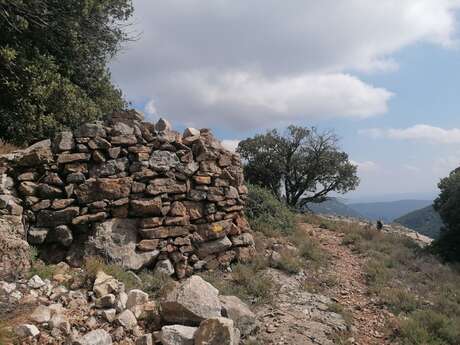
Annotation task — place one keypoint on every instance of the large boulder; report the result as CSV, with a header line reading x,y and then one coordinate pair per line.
x,y
115,240
190,302
217,331
244,319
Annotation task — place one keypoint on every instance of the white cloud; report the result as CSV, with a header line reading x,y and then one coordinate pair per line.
x,y
232,61
230,144
150,108
243,99
419,132
366,166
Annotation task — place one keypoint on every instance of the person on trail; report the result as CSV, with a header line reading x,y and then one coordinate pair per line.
x,y
379,225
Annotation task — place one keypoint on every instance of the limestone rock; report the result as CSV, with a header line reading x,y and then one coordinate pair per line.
x,y
146,207
35,282
163,161
163,125
127,319
48,218
116,239
26,330
216,246
64,141
216,331
190,302
164,267
245,239
244,319
136,297
106,301
104,188
41,314
95,337
177,335
91,130
104,284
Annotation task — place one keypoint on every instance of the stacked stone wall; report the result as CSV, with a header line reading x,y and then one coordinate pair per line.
x,y
135,193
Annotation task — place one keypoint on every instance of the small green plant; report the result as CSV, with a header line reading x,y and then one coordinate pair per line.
x,y
33,254
267,214
247,281
290,262
339,309
42,270
152,283
399,300
96,264
308,248
329,280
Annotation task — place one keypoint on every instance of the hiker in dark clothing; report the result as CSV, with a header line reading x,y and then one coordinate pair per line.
x,y
379,225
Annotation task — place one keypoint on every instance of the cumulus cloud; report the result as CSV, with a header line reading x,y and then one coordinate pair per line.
x,y
233,61
230,144
418,132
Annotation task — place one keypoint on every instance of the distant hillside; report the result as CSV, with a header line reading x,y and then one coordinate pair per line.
x,y
425,221
334,206
388,211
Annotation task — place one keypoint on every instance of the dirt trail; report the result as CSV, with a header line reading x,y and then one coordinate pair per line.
x,y
351,290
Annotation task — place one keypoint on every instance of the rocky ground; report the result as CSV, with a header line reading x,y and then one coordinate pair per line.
x,y
63,310
60,311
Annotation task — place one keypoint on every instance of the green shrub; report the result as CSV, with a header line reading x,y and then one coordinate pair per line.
x,y
247,281
427,327
267,214
399,300
152,283
42,270
96,264
308,248
290,262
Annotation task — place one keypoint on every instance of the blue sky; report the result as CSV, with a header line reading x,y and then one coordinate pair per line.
x,y
384,75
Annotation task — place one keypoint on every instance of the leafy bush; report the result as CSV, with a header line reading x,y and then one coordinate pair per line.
x,y
427,327
290,262
308,247
54,64
267,214
247,281
448,206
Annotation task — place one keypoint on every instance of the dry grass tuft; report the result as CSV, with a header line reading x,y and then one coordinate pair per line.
x,y
6,147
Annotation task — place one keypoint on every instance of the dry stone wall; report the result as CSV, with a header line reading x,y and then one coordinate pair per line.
x,y
135,193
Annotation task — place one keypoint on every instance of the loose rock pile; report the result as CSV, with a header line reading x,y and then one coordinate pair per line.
x,y
187,313
136,193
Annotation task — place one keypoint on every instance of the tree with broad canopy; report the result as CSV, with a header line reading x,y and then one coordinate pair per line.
x,y
302,166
